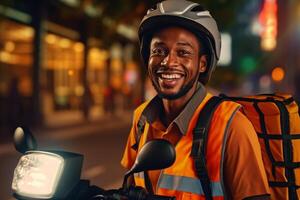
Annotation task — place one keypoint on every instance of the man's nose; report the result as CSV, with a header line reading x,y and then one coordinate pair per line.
x,y
169,60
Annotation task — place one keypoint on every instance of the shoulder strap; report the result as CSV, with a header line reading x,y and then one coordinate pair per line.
x,y
140,129
200,141
298,104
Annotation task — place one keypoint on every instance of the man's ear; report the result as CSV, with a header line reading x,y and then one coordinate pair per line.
x,y
202,63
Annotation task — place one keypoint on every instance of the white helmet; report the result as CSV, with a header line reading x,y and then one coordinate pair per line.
x,y
189,15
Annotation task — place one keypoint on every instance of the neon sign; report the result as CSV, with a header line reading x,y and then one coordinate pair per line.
x,y
268,21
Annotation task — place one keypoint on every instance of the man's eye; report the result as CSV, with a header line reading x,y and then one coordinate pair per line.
x,y
183,52
158,51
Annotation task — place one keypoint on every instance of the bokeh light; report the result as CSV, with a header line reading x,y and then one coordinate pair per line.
x,y
278,74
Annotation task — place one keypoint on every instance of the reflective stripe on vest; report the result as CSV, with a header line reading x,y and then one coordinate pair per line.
x,y
139,175
183,184
188,184
139,179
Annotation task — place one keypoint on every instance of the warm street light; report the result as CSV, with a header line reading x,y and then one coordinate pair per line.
x,y
9,46
278,74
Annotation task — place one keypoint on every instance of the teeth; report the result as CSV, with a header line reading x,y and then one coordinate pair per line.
x,y
171,76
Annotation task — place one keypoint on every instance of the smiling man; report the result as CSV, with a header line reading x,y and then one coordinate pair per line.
x,y
170,49
180,46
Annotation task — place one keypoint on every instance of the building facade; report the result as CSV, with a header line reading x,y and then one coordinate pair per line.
x,y
55,63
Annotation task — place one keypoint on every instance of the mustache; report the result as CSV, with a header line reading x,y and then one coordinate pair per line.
x,y
164,69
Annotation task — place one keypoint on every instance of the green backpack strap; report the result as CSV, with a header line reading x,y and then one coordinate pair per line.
x,y
140,129
200,134
298,104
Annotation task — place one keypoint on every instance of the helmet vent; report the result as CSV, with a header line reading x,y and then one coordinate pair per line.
x,y
154,7
198,8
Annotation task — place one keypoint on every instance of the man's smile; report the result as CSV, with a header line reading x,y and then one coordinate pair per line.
x,y
169,78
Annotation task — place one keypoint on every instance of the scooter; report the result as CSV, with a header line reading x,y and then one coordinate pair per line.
x,y
55,175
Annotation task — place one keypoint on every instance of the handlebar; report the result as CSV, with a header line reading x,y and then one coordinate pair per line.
x,y
132,193
159,197
139,193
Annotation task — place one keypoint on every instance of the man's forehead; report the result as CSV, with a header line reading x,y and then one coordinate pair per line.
x,y
160,42
175,37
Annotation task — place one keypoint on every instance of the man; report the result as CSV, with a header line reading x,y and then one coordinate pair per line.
x,y
180,45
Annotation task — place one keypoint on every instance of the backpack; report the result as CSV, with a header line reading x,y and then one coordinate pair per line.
x,y
276,120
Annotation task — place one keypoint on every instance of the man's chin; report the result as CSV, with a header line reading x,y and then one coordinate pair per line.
x,y
169,95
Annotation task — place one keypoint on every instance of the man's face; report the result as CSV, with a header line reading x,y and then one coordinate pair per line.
x,y
174,64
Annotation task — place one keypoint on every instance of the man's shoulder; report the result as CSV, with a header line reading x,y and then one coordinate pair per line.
x,y
141,107
221,104
241,126
138,111
240,118
149,108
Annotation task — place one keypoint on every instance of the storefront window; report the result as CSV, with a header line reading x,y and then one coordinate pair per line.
x,y
116,66
15,56
16,52
97,76
63,65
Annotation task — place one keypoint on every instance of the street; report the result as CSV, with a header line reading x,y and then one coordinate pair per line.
x,y
100,143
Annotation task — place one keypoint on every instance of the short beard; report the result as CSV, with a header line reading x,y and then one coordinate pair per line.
x,y
179,94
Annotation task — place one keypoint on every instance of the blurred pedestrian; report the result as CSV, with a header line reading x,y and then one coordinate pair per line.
x,y
109,100
87,102
297,89
14,109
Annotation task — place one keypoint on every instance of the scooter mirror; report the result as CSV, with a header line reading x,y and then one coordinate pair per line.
x,y
155,154
24,140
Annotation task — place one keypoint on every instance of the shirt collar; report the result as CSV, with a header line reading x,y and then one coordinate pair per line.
x,y
155,106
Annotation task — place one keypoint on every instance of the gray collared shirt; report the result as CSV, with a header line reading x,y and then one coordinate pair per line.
x,y
155,107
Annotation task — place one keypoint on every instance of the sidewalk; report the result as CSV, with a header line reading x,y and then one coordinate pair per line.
x,y
65,119
69,125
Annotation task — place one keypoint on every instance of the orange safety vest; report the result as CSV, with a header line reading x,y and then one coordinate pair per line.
x,y
180,180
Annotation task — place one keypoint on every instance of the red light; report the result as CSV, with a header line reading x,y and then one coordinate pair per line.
x,y
268,20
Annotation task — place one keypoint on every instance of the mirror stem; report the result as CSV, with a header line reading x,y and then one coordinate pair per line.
x,y
125,181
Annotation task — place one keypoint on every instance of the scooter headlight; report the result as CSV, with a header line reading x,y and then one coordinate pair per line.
x,y
37,174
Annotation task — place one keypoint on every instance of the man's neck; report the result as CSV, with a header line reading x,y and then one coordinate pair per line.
x,y
172,108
